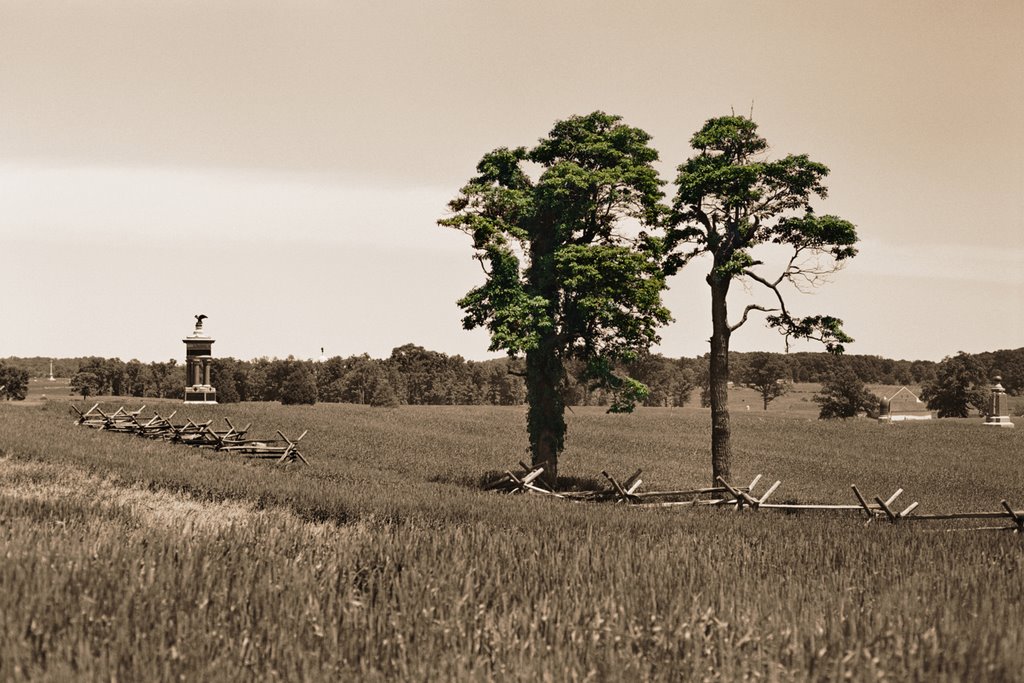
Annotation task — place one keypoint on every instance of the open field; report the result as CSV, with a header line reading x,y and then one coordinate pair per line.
x,y
41,389
142,560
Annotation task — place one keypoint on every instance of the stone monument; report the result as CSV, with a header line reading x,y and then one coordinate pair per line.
x,y
999,409
198,359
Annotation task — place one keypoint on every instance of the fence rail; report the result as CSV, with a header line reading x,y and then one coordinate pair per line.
x,y
743,497
190,433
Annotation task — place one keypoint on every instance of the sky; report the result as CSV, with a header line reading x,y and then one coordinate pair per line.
x,y
280,167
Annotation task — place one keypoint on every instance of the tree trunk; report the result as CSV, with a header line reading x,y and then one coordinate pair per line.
x,y
546,415
721,448
545,372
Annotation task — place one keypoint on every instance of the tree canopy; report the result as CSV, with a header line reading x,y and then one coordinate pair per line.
x,y
843,395
959,385
13,382
768,374
730,200
571,268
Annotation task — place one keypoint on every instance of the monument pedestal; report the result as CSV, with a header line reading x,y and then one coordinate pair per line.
x,y
200,394
999,410
198,361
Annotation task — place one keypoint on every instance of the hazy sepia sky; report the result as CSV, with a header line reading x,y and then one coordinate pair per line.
x,y
279,166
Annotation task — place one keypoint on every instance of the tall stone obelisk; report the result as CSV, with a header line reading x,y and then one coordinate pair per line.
x,y
198,359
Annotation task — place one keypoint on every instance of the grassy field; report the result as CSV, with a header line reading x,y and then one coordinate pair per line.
x,y
137,560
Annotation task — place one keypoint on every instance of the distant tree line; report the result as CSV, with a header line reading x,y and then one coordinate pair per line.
x,y
413,375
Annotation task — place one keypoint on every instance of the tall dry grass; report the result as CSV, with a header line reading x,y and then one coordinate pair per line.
x,y
384,560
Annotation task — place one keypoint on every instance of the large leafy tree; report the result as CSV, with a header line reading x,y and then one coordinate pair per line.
x,y
959,385
844,395
571,272
87,383
732,200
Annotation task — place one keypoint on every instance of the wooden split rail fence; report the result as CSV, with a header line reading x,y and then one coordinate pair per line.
x,y
190,433
741,497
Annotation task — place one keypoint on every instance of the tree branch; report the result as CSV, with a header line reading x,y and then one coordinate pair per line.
x,y
746,312
480,259
774,286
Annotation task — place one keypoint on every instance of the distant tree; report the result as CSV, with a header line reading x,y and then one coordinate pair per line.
x,y
810,367
264,384
229,377
1008,364
361,380
13,383
767,374
86,383
381,386
95,367
564,278
730,200
166,377
223,380
339,381
504,382
903,375
137,380
669,382
297,382
959,384
110,375
703,378
114,376
328,375
844,395
922,371
431,377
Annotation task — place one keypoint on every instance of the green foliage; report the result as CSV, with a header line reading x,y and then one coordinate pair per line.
x,y
730,200
844,396
823,328
669,381
13,383
959,385
564,279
